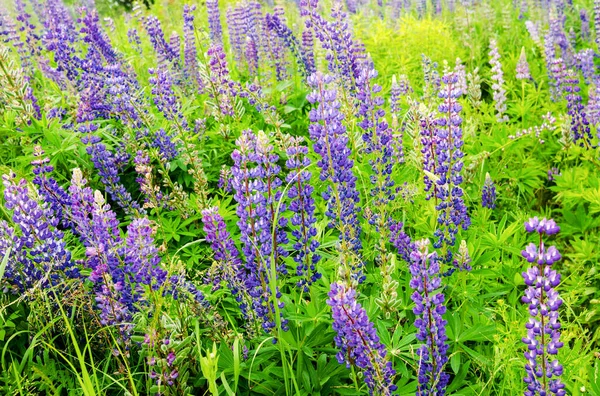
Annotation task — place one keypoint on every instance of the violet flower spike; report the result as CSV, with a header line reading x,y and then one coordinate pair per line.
x,y
358,341
543,326
488,193
331,144
431,327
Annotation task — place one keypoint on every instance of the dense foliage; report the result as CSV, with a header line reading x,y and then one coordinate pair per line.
x,y
312,198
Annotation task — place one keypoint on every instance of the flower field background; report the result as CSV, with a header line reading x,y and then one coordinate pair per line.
x,y
300,198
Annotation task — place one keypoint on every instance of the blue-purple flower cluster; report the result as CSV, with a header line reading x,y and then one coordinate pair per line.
x,y
330,142
488,193
543,327
358,341
302,205
37,254
579,125
431,327
257,191
448,165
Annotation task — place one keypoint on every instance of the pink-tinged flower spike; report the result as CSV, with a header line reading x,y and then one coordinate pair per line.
x,y
523,67
543,335
358,341
498,82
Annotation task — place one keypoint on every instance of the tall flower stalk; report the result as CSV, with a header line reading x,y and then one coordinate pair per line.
x,y
431,327
358,341
543,335
331,144
448,142
498,82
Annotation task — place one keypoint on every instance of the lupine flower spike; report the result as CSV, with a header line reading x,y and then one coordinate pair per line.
x,y
543,335
358,341
488,193
431,327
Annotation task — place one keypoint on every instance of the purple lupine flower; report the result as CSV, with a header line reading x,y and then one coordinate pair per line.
x,y
579,126
106,163
190,52
343,52
585,63
584,18
331,144
237,21
235,27
254,170
488,193
592,109
534,32
165,145
251,56
38,254
431,327
358,341
96,37
377,136
32,36
448,165
597,22
308,44
49,189
557,74
226,254
214,21
431,77
559,39
9,30
421,8
523,67
400,87
225,179
121,269
222,88
428,151
59,38
523,9
164,97
134,40
277,25
543,334
302,205
275,44
401,240
498,82
398,90
156,35
552,173
175,44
